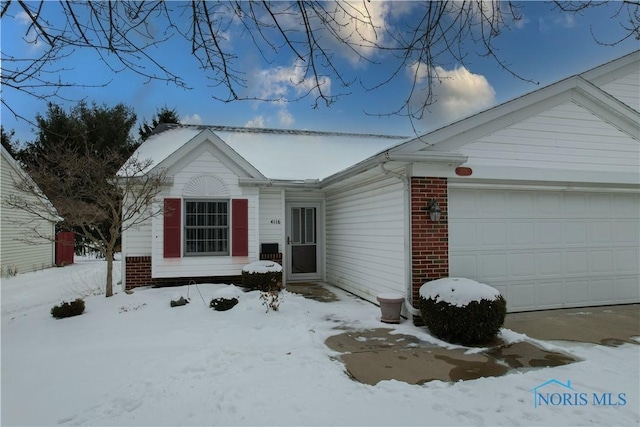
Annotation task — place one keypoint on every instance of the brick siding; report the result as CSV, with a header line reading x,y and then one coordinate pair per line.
x,y
138,273
429,240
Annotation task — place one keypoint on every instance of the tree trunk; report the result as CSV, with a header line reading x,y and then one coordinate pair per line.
x,y
109,288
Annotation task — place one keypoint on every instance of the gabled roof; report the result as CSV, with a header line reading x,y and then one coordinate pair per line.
x,y
282,154
576,88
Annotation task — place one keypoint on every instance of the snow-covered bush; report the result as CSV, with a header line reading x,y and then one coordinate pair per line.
x,y
461,310
223,304
68,309
262,275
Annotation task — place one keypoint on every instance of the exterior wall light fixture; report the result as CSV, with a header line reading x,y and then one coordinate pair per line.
x,y
434,210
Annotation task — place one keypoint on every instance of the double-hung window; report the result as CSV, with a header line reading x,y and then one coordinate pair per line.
x,y
206,227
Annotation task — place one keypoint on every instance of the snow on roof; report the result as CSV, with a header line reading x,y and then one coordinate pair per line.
x,y
276,153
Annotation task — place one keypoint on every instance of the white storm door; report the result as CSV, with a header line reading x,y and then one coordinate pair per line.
x,y
303,254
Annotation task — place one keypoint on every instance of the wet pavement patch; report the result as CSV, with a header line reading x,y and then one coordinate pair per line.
x,y
314,291
375,355
526,355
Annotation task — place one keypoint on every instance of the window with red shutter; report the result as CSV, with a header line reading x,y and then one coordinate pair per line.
x,y
172,227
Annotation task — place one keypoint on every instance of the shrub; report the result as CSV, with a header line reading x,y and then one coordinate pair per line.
x,y
271,299
265,276
476,321
223,304
68,309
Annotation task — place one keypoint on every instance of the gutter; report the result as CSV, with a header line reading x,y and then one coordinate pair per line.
x,y
407,238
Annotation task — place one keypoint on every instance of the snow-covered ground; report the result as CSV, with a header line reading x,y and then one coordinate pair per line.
x,y
134,360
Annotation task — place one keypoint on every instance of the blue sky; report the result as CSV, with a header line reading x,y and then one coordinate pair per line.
x,y
544,47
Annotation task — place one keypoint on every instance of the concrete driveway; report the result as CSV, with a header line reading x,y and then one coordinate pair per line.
x,y
375,355
608,325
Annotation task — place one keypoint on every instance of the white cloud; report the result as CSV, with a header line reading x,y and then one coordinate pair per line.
x,y
193,119
285,118
256,122
23,18
31,38
288,83
457,93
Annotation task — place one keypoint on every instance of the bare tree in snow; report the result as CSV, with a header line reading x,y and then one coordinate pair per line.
x,y
79,188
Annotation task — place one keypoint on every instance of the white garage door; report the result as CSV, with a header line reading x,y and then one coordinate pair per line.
x,y
547,249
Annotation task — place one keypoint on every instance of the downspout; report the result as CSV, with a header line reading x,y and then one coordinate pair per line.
x,y
407,237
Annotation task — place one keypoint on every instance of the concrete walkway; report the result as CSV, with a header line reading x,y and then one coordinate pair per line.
x,y
375,355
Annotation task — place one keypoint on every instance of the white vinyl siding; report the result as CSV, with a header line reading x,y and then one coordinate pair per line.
x,y
136,240
202,171
272,217
365,238
626,89
17,255
565,137
547,249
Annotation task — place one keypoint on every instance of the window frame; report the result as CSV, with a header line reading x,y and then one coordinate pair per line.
x,y
186,228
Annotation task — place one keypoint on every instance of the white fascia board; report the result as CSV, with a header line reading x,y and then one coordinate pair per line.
x,y
278,183
608,108
372,162
613,70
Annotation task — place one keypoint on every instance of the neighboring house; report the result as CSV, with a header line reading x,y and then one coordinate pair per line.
x,y
539,197
20,252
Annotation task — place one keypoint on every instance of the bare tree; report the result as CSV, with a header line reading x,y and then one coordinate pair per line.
x,y
88,194
126,35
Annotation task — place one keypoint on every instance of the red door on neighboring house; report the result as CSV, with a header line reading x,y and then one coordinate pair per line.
x,y
64,248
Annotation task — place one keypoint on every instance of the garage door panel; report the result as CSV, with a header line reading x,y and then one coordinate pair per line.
x,y
521,296
601,232
549,233
548,294
601,261
601,291
493,234
467,265
575,293
574,233
627,232
494,266
547,249
549,263
464,236
576,262
522,233
521,265
627,260
627,289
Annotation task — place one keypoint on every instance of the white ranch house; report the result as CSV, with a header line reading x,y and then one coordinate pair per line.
x,y
539,198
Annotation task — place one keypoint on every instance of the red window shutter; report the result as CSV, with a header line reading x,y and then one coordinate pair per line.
x,y
240,227
172,227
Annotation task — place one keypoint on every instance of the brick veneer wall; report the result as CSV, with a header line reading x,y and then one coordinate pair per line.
x,y
138,273
429,240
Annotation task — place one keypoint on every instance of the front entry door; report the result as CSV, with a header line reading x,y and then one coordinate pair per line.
x,y
302,239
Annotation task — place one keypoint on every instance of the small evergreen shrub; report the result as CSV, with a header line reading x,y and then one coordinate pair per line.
x,y
264,276
223,304
476,321
68,309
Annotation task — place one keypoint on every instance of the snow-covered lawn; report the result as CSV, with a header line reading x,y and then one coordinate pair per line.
x,y
134,360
